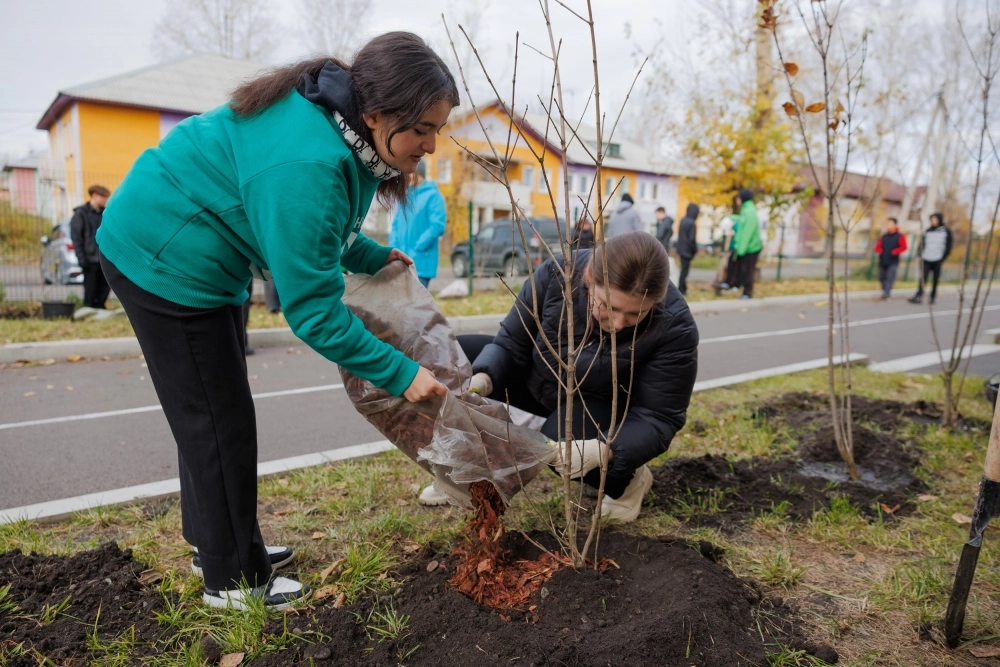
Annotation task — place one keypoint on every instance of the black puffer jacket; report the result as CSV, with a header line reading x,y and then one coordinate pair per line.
x,y
686,245
83,231
666,362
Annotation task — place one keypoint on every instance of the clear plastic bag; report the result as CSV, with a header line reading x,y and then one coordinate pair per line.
x,y
461,438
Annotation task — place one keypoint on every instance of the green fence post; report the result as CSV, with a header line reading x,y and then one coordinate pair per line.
x,y
472,245
871,267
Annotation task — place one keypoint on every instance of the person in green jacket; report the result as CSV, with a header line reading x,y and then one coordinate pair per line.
x,y
746,243
274,184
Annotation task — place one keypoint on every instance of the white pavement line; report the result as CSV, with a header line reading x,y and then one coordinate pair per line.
x,y
905,364
154,408
727,381
55,510
823,327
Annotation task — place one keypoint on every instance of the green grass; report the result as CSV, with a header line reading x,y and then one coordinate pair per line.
x,y
881,577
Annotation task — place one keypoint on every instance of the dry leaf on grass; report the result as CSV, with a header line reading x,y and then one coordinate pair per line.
x,y
926,498
330,570
73,358
985,651
318,535
150,577
962,519
283,483
859,558
340,601
887,509
231,660
324,592
411,548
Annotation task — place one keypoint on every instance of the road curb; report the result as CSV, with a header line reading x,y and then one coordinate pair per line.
x,y
91,348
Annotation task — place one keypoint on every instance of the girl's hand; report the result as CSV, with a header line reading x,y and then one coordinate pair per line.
x,y
424,386
400,255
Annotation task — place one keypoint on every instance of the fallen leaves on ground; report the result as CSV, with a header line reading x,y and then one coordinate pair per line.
x,y
325,592
985,651
150,577
926,498
73,358
318,535
231,660
330,570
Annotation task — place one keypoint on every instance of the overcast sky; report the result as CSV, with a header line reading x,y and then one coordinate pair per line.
x,y
47,45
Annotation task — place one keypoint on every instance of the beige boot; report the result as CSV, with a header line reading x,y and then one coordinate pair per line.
x,y
585,455
627,507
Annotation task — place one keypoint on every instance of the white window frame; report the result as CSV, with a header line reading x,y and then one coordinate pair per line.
x,y
528,177
443,170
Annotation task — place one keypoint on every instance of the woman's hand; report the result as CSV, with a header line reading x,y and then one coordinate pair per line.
x,y
481,384
424,386
400,255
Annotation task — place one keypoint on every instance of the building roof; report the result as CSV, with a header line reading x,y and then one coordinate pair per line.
x,y
193,84
861,186
38,159
631,156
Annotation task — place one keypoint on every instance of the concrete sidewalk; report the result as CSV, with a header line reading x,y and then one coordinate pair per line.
x,y
122,347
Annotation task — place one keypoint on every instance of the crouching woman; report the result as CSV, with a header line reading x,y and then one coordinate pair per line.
x,y
518,366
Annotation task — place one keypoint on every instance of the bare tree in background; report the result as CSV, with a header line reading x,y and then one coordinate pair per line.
x,y
242,29
333,26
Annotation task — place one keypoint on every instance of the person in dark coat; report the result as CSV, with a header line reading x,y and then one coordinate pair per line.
x,y
515,365
888,248
83,230
583,235
687,247
664,228
936,248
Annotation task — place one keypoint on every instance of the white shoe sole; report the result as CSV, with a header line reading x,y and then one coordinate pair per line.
x,y
431,497
239,605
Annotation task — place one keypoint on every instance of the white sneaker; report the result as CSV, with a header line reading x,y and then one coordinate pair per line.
x,y
279,594
627,507
432,497
585,455
280,556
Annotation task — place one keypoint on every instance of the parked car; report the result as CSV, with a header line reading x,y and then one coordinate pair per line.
x,y
58,263
498,248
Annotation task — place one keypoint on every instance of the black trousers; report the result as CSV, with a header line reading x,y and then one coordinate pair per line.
x,y
748,271
682,282
95,286
932,269
584,427
195,360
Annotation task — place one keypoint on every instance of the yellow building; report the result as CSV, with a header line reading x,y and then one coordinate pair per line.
x,y
97,130
627,168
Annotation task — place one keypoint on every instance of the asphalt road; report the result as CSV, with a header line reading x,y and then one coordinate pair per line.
x,y
57,460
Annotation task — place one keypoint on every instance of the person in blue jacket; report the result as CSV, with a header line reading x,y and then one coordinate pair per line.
x,y
419,224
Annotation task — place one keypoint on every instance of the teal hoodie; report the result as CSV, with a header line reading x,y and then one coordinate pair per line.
x,y
222,196
747,239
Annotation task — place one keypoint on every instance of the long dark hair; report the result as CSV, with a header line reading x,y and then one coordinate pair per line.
x,y
637,265
396,74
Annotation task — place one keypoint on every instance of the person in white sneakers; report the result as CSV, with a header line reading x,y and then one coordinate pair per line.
x,y
516,364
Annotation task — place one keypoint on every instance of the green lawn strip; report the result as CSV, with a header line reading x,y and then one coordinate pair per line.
x,y
881,578
33,329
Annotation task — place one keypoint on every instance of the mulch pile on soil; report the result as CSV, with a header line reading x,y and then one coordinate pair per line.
x,y
486,572
103,580
807,481
669,604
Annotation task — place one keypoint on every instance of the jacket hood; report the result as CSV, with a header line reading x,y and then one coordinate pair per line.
x,y
692,211
333,89
623,206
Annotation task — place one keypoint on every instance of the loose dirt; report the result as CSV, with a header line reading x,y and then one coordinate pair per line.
x,y
715,491
669,604
101,581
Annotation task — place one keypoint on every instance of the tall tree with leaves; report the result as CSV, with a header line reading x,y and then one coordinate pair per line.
x,y
242,29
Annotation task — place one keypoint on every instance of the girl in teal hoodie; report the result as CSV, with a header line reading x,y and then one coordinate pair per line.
x,y
275,185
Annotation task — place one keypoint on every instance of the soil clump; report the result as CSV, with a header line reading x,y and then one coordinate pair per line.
x,y
669,604
715,491
103,581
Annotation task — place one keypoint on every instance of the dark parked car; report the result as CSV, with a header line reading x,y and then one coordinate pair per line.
x,y
58,263
498,248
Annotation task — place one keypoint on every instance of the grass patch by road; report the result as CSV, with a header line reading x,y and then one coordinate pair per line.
x,y
869,585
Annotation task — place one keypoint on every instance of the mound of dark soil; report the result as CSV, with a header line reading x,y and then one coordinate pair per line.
x,y
105,579
715,491
668,605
